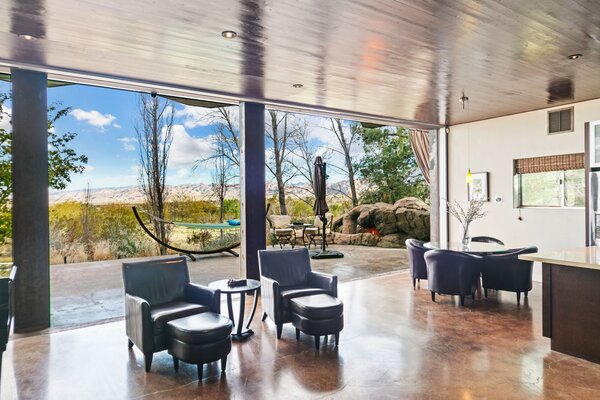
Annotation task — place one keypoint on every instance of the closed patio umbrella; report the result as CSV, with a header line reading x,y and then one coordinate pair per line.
x,y
319,187
320,207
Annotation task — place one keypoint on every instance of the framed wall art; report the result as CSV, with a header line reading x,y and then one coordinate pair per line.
x,y
478,188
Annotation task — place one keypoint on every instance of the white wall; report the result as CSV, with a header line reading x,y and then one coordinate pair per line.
x,y
494,144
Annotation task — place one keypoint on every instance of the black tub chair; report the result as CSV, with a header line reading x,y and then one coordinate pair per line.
x,y
416,260
284,275
507,272
156,292
452,272
487,239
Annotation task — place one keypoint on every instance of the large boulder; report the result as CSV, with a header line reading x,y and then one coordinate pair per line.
x,y
382,224
348,225
384,220
412,217
393,240
356,239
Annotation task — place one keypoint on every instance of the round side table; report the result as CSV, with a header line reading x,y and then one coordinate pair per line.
x,y
251,286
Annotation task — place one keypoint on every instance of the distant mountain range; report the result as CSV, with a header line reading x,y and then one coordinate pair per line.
x,y
201,191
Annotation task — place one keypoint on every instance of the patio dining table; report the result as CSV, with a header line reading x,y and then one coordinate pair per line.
x,y
302,227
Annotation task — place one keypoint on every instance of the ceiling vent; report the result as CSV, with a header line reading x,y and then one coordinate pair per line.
x,y
560,121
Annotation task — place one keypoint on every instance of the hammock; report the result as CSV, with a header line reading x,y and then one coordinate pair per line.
x,y
204,226
227,249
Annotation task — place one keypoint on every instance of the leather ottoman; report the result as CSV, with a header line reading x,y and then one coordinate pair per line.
x,y
199,339
317,315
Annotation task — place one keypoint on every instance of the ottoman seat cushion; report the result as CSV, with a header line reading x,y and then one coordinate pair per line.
x,y
162,314
201,328
317,307
291,292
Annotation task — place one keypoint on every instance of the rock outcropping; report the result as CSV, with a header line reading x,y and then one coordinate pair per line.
x,y
382,224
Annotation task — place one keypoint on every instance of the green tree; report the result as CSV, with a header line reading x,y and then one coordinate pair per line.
x,y
389,166
62,160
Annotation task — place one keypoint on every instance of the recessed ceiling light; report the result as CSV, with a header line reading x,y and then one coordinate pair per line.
x,y
574,56
298,85
229,34
26,37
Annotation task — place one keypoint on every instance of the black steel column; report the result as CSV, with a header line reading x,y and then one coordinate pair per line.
x,y
252,186
30,200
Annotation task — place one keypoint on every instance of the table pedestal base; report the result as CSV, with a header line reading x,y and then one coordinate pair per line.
x,y
240,337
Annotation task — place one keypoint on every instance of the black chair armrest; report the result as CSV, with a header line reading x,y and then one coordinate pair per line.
x,y
138,323
199,294
323,281
270,297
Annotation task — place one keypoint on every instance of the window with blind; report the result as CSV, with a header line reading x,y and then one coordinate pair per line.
x,y
550,181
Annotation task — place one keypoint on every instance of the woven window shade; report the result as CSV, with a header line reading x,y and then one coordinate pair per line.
x,y
560,162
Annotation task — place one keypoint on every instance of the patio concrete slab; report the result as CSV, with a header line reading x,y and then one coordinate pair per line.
x,y
87,293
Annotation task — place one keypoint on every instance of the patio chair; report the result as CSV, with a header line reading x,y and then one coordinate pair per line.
x,y
416,260
487,239
280,230
452,272
156,292
284,275
315,231
507,272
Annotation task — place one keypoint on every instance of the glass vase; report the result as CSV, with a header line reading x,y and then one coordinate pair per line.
x,y
465,237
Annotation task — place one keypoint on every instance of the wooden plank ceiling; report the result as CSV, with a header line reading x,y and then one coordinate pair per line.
x,y
398,59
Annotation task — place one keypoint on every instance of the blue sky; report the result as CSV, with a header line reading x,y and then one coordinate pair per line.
x,y
105,120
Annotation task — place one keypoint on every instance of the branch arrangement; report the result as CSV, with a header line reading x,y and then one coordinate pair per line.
x,y
466,217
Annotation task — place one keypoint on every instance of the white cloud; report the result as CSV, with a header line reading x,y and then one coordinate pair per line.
x,y
186,150
196,116
319,129
115,125
88,169
127,143
94,118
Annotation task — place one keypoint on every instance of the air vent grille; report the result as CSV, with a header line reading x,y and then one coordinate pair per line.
x,y
560,121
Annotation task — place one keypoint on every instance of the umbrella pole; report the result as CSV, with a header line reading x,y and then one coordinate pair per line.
x,y
324,221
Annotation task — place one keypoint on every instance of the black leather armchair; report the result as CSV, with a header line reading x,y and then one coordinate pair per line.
x,y
507,272
156,292
452,272
487,239
285,274
416,260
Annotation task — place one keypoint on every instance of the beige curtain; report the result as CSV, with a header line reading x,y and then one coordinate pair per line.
x,y
419,140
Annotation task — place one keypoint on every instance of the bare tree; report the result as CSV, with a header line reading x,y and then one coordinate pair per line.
x,y
228,134
347,136
305,152
155,135
221,174
280,132
87,225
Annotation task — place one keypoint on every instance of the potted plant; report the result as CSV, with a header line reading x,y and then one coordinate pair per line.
x,y
466,216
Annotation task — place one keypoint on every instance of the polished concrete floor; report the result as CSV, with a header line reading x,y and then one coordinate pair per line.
x,y
84,293
396,344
